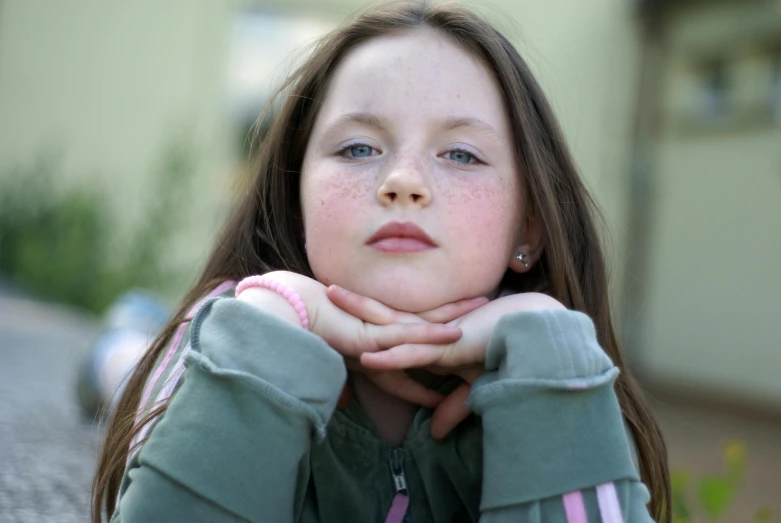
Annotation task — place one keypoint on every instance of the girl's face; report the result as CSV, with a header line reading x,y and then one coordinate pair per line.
x,y
413,130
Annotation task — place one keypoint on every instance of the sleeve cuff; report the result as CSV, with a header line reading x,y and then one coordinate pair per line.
x,y
552,423
239,339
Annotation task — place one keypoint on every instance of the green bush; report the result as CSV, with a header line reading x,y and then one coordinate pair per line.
x,y
60,244
700,499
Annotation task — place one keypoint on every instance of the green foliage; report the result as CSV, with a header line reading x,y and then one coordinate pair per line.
x,y
714,493
60,244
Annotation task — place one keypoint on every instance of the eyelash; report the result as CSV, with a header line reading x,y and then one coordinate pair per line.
x,y
343,153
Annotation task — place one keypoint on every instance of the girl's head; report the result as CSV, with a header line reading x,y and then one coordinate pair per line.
x,y
426,114
412,127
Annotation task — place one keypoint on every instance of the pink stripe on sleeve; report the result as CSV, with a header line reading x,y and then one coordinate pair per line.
x,y
574,507
609,508
174,345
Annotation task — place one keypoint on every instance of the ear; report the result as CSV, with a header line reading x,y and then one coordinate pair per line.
x,y
530,245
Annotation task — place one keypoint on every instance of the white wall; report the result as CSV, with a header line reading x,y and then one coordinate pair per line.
x,y
107,84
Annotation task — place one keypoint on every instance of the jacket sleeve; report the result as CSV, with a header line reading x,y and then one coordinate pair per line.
x,y
233,444
555,447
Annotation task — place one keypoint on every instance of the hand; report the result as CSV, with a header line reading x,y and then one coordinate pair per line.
x,y
396,382
345,333
464,357
449,411
477,327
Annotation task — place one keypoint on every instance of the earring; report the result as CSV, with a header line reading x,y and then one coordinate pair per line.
x,y
521,257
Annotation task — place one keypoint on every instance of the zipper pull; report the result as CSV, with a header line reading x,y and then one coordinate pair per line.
x,y
397,471
400,503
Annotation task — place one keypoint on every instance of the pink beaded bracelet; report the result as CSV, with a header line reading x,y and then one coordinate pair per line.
x,y
285,291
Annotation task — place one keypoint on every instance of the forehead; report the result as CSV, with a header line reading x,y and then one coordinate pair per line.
x,y
422,71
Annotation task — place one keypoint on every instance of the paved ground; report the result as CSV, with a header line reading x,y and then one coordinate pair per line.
x,y
48,451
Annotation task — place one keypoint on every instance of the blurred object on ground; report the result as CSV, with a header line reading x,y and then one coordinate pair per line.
x,y
130,325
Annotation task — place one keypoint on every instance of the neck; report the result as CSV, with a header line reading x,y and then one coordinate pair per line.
x,y
390,414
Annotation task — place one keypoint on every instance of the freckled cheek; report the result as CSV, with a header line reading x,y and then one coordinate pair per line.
x,y
334,204
481,216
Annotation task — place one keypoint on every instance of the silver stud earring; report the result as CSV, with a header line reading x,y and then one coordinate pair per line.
x,y
521,259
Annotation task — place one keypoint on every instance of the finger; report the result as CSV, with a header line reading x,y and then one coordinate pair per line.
x,y
451,412
401,385
403,357
450,311
366,309
376,337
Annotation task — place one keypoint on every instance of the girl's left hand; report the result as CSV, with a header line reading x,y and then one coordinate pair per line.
x,y
477,327
464,358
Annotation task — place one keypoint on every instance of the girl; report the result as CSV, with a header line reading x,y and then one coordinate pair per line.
x,y
417,219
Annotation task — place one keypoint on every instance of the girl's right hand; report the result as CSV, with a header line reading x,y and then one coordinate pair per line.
x,y
351,336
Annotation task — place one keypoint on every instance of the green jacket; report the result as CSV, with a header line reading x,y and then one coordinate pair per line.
x,y
252,434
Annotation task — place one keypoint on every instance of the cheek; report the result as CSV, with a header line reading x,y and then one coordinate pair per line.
x,y
485,215
331,200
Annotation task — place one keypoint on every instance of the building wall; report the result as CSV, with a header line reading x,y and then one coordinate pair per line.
x,y
713,288
107,87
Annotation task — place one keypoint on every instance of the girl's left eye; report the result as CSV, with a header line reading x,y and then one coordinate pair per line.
x,y
357,150
461,156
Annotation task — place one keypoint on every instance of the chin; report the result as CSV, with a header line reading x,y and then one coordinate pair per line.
x,y
409,298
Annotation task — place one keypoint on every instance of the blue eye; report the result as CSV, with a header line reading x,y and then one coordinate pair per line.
x,y
358,151
460,156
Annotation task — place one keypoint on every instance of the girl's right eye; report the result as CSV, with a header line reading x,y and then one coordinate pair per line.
x,y
358,150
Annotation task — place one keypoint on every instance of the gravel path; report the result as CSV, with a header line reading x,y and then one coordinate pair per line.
x,y
47,448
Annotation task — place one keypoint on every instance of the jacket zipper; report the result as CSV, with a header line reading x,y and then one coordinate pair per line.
x,y
399,512
397,471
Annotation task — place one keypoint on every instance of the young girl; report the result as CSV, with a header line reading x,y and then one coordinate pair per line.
x,y
416,219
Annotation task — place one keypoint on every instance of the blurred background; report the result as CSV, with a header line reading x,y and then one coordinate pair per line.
x,y
124,139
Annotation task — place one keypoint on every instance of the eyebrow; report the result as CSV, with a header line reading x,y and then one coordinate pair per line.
x,y
447,124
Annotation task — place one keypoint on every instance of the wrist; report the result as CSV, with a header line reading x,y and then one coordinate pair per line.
x,y
277,283
271,302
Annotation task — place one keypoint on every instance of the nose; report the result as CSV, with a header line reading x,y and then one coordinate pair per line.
x,y
405,184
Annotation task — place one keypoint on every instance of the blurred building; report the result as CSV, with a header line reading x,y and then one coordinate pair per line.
x,y
707,199
672,110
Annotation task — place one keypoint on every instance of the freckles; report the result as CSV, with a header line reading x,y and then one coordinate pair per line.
x,y
481,212
341,188
335,198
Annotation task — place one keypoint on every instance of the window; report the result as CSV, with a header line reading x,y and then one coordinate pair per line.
x,y
774,86
713,91
263,46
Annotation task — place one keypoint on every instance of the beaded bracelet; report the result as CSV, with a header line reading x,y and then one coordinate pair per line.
x,y
285,291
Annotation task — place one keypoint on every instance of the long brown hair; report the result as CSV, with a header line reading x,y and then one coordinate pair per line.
x,y
264,231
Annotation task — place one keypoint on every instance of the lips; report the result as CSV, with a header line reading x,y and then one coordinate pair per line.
x,y
401,237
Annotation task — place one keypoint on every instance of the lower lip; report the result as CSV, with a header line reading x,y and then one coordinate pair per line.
x,y
401,245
